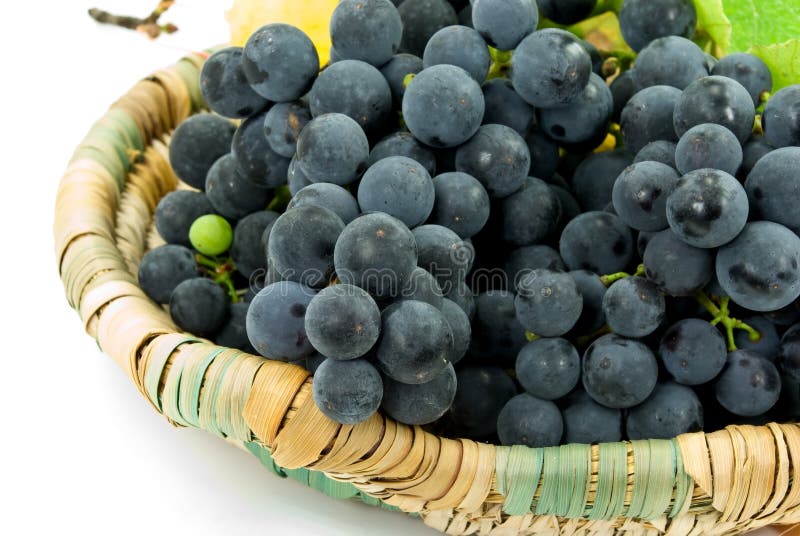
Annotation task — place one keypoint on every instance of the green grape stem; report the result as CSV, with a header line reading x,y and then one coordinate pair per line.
x,y
502,57
225,281
497,71
531,336
610,279
407,79
501,63
721,316
219,270
763,99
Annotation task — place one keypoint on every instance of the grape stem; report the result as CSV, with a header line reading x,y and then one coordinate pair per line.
x,y
531,336
763,99
610,279
501,63
407,79
147,25
758,127
721,315
219,270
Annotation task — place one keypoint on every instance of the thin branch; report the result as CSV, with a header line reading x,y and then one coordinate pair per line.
x,y
148,25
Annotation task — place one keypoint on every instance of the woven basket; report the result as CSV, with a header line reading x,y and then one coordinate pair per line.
x,y
725,482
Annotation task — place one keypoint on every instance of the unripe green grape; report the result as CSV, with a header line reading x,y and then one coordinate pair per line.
x,y
211,235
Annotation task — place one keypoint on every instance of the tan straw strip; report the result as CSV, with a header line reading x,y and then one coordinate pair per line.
x,y
273,391
304,437
352,443
781,483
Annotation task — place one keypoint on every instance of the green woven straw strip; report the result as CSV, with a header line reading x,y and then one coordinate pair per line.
x,y
500,462
518,471
126,127
315,479
108,142
575,461
155,369
653,478
193,374
659,480
115,138
102,153
612,481
566,471
189,72
169,397
210,395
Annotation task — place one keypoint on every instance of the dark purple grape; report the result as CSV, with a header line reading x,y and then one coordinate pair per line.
x,y
597,241
377,253
343,322
348,392
749,385
671,410
526,420
199,306
548,368
548,303
481,394
196,144
618,372
225,87
301,245
164,268
586,421
418,404
640,195
415,342
276,321
634,307
676,267
693,351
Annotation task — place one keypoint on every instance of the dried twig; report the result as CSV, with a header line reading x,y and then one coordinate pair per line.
x,y
148,25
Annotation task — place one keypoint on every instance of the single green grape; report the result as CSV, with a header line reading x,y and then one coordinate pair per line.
x,y
211,235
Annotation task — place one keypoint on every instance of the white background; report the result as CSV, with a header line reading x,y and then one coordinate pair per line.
x,y
80,450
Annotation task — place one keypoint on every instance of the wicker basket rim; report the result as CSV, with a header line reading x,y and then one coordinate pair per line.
x,y
735,479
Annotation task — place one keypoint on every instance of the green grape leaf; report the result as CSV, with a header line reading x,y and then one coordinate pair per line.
x,y
767,29
713,24
783,59
755,22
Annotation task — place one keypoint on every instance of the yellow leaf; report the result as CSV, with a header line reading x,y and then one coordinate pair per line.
x,y
311,16
603,32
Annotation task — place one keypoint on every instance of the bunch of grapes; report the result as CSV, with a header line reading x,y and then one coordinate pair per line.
x,y
491,229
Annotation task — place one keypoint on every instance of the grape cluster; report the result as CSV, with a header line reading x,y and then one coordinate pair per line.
x,y
489,228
